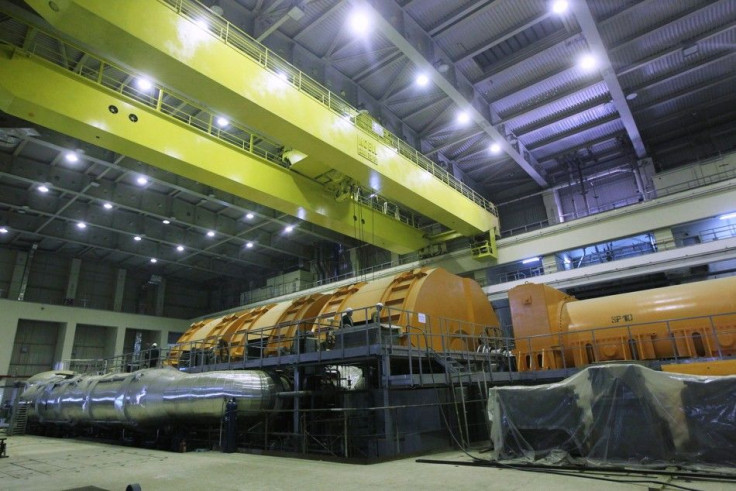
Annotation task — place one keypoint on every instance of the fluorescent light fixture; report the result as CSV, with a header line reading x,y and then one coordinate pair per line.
x,y
422,80
166,221
289,228
43,188
360,22
463,117
560,6
588,62
495,148
71,157
107,206
180,248
210,233
3,230
154,260
729,216
143,84
530,260
249,216
81,225
142,181
567,260
222,121
249,245
137,238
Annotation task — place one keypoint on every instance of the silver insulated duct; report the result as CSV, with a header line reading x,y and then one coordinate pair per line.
x,y
147,397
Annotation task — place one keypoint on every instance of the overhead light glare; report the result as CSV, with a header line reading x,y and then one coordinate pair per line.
x,y
142,181
422,80
71,157
567,260
249,216
222,121
495,148
588,62
3,230
463,117
81,225
631,96
560,6
249,245
210,233
154,260
166,221
530,260
137,238
729,216
360,22
43,188
289,228
107,206
180,248
143,84
202,24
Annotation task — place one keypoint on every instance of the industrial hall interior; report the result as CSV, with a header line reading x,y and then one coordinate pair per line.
x,y
462,241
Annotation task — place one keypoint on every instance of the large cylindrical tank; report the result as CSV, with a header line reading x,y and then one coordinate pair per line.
x,y
688,320
147,397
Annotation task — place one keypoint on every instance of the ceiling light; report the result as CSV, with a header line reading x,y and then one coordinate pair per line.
x,y
180,248
249,216
559,6
143,84
530,260
588,62
566,260
71,157
3,230
43,188
463,117
222,121
631,96
154,260
137,238
81,225
422,80
728,216
690,50
289,228
210,233
249,245
495,148
142,181
166,221
107,206
360,22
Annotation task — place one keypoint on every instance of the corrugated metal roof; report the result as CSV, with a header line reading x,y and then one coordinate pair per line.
x,y
578,139
578,120
430,13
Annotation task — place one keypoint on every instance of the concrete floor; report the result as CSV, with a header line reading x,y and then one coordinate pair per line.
x,y
38,463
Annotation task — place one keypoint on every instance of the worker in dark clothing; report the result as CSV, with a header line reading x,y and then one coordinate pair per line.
x,y
347,318
153,356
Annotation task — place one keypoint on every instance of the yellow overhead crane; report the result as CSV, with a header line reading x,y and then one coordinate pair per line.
x,y
82,103
181,44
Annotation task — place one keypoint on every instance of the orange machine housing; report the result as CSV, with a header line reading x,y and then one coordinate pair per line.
x,y
554,330
422,306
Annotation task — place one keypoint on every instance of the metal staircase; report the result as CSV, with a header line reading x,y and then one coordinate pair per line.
x,y
18,420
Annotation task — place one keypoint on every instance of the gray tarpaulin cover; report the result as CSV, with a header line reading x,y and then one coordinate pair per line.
x,y
617,414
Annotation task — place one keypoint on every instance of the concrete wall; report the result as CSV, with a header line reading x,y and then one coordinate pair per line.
x,y
38,337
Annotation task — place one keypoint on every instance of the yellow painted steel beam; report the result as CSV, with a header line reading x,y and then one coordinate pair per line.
x,y
44,93
240,80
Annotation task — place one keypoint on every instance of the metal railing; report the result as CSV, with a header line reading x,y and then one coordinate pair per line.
x,y
231,35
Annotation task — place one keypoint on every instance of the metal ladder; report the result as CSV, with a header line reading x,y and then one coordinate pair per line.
x,y
18,420
454,372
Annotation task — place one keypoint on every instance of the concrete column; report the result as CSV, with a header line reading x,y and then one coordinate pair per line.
x,y
8,330
65,345
551,200
663,239
119,290
480,276
394,259
549,263
160,296
16,280
163,338
73,281
354,263
119,341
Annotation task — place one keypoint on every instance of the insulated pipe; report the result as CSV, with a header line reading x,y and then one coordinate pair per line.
x,y
147,397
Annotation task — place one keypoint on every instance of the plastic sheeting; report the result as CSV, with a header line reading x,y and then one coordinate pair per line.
x,y
617,415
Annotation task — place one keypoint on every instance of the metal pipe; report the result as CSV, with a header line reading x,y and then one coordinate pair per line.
x,y
148,397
